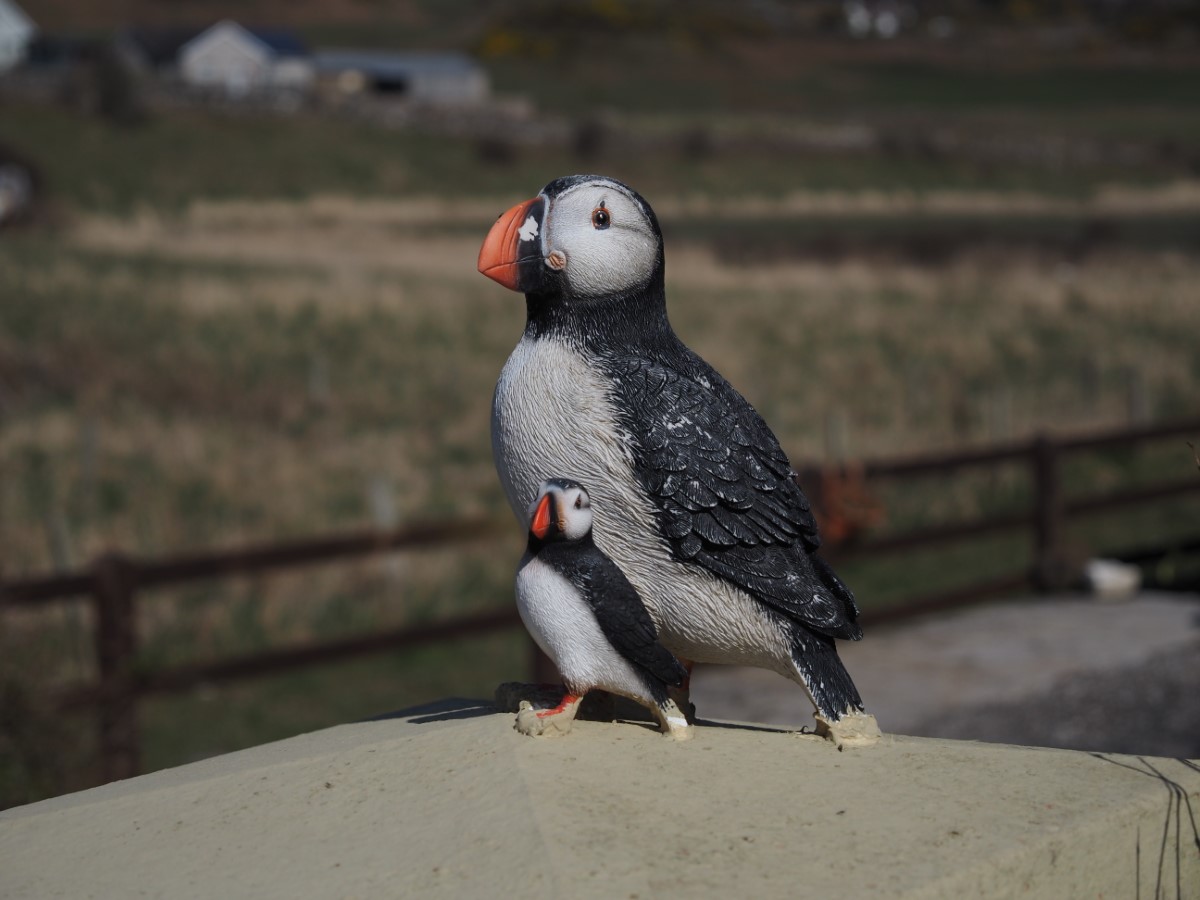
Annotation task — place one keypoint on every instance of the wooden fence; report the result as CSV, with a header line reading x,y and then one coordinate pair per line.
x,y
114,581
1046,519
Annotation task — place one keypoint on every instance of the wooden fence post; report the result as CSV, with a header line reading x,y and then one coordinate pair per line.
x,y
1049,569
116,651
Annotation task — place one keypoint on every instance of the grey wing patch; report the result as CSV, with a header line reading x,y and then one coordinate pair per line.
x,y
725,493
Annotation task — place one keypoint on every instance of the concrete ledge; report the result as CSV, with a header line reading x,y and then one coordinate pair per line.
x,y
450,801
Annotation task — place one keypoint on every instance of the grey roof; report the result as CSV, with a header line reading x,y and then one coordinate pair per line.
x,y
283,42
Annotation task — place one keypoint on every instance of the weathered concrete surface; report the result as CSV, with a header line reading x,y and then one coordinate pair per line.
x,y
452,802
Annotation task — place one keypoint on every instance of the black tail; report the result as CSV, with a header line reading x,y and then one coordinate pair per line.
x,y
839,590
827,680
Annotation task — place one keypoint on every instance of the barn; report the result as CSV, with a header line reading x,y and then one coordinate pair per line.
x,y
435,79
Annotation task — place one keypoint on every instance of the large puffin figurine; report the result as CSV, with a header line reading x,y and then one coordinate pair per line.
x,y
694,499
586,616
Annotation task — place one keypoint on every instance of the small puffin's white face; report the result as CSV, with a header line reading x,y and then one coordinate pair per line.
x,y
562,511
598,236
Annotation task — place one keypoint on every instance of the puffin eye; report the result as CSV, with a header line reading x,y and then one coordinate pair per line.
x,y
579,502
600,217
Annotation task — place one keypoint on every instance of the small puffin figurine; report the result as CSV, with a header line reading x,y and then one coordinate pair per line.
x,y
588,618
695,500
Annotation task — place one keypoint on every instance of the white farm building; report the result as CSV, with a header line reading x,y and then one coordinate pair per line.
x,y
240,61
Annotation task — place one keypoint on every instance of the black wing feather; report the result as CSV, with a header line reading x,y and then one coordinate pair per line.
x,y
724,490
617,606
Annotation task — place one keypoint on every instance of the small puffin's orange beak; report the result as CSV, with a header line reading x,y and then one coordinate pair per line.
x,y
540,526
514,239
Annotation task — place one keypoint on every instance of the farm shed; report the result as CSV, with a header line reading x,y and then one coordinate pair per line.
x,y
16,31
439,79
240,61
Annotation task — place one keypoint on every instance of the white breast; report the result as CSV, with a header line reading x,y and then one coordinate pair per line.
x,y
552,417
562,624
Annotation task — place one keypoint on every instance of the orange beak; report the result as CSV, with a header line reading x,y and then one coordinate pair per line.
x,y
540,526
511,253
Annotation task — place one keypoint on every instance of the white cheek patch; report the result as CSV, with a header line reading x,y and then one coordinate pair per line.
x,y
579,523
609,261
601,261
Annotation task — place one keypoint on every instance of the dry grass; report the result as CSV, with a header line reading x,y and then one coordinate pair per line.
x,y
907,351
347,216
1110,200
306,349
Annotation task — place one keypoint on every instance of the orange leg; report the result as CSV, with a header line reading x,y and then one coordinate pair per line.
x,y
568,699
548,722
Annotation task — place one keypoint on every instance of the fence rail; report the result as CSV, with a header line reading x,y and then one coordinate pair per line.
x,y
1046,519
113,581
241,561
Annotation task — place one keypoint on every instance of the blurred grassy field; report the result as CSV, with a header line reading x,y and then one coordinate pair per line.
x,y
235,329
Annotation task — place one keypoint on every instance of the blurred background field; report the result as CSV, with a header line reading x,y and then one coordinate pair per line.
x,y
227,320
